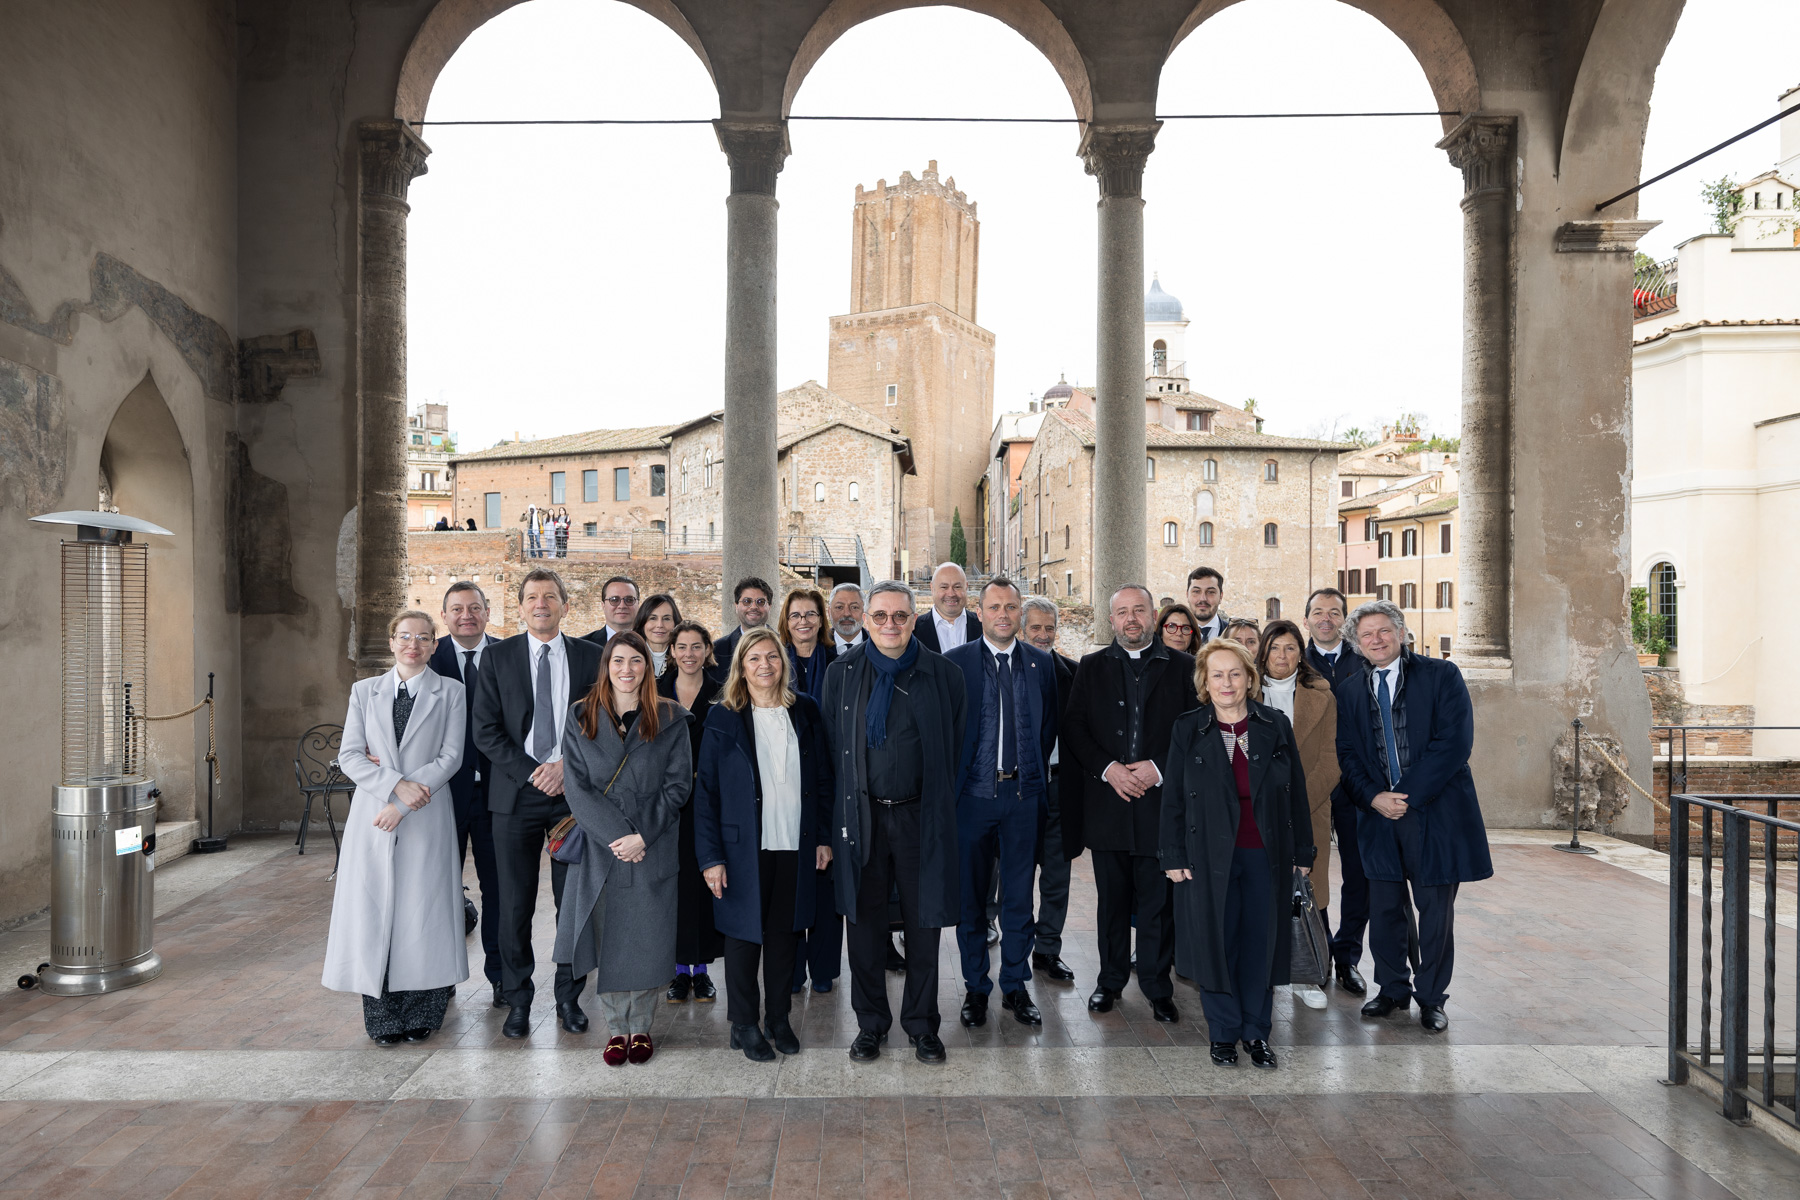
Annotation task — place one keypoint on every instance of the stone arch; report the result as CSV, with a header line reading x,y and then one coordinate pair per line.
x,y
1030,19
1602,141
146,472
1426,30
450,22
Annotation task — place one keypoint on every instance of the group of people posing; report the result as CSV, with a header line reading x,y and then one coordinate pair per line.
x,y
854,760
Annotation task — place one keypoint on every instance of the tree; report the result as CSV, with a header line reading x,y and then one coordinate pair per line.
x,y
959,545
1726,203
1356,436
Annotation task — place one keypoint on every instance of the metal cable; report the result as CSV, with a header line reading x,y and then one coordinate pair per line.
x,y
1267,116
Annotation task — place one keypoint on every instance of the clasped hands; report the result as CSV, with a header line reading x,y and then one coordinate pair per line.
x,y
1132,780
1183,874
1391,805
411,797
715,875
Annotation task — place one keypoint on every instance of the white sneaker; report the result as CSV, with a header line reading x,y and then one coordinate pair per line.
x,y
1309,995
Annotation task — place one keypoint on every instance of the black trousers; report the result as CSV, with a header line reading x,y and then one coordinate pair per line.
x,y
1390,929
1134,885
1352,885
519,838
1053,879
821,953
893,862
1245,1011
777,874
475,831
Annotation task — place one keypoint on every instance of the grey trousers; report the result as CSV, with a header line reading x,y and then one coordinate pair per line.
x,y
628,1013
1053,883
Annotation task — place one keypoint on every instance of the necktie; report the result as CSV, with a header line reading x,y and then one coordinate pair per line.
x,y
543,718
1008,729
469,671
1386,704
403,706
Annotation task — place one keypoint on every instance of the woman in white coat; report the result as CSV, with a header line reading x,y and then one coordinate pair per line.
x,y
397,917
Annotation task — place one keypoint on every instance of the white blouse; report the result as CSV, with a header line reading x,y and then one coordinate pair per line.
x,y
1279,693
778,767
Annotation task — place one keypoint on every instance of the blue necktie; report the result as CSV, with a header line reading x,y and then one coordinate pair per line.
x,y
1386,704
1003,681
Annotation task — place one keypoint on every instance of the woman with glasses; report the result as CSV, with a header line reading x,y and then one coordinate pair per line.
x,y
802,629
1243,631
690,684
397,915
657,618
1175,627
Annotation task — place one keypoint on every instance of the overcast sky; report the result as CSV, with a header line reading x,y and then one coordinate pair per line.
x,y
573,278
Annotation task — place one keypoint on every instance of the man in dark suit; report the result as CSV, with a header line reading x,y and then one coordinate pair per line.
x,y
1002,779
1332,656
752,598
1205,593
1405,731
620,597
522,699
1040,621
1116,731
894,717
458,656
948,623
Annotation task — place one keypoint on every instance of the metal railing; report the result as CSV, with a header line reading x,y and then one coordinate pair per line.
x,y
1678,781
1653,288
808,552
1729,1063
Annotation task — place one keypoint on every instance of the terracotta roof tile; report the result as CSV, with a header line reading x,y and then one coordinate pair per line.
x,y
594,441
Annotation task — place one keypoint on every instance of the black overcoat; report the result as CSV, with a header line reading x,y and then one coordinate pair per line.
x,y
938,692
1094,734
1200,813
697,939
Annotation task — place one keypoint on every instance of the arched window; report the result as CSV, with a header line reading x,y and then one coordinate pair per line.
x,y
708,469
1203,535
1209,470
1203,505
1663,598
1171,534
1271,534
1271,471
1159,357
1272,609
818,493
1149,468
855,490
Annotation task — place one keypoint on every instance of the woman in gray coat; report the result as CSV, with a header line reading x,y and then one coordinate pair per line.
x,y
627,771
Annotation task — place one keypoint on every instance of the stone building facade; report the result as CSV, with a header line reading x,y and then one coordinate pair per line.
x,y
910,354
610,480
429,491
1398,538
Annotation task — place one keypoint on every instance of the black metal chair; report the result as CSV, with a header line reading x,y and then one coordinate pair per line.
x,y
318,777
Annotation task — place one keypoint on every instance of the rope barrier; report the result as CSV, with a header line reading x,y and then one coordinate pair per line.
x,y
212,756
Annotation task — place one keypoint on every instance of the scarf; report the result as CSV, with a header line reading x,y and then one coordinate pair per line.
x,y
881,687
1279,693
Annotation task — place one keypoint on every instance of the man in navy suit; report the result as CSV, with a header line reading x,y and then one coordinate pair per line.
x,y
1002,786
458,656
1405,730
948,625
752,599
1040,620
1332,656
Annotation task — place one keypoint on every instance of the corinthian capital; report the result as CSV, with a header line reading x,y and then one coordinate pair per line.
x,y
756,154
392,157
1482,146
1115,155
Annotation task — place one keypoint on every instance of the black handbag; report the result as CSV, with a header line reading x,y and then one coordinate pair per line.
x,y
1310,957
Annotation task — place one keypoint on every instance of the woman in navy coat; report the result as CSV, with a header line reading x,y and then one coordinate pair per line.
x,y
762,813
810,650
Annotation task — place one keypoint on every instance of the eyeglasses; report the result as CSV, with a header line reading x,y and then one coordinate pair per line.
x,y
805,615
415,637
618,601
883,618
753,604
1172,627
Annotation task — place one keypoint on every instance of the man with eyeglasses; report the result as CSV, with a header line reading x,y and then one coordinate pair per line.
x,y
620,596
751,599
894,717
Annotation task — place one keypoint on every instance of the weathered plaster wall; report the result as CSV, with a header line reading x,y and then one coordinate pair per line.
x,y
117,268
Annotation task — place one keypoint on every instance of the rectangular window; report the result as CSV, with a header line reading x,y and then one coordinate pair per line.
x,y
658,479
1384,546
1385,592
1200,422
621,483
1343,532
1349,488
1369,580
1446,594
1444,645
1068,583
659,526
1355,588
1368,529
1149,468
590,486
893,393
1444,538
1342,580
559,487
592,529
1409,542
492,520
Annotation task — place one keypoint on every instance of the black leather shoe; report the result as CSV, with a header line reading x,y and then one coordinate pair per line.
x,y
1052,967
386,1039
782,1035
518,1021
867,1046
678,989
1351,980
1261,1055
417,1035
927,1048
500,996
703,989
1383,1004
1432,1017
1102,1000
1164,1010
471,918
974,1009
751,1041
993,932
1018,1003
1224,1054
572,1018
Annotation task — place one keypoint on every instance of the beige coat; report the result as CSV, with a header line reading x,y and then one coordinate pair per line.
x,y
1315,732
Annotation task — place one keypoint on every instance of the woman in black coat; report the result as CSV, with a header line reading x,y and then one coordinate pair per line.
x,y
1235,824
761,829
810,651
687,680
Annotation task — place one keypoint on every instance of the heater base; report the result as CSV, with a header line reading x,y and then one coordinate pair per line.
x,y
61,981
207,845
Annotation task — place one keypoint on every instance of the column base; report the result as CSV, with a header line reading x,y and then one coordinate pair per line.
x,y
1481,668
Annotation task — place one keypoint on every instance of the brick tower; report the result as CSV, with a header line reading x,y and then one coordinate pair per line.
x,y
909,350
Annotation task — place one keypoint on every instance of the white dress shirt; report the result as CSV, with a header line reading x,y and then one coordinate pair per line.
x,y
997,652
1331,655
1209,630
558,666
842,645
951,634
778,767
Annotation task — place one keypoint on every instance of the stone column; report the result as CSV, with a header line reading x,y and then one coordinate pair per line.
x,y
1115,156
756,153
391,157
1482,146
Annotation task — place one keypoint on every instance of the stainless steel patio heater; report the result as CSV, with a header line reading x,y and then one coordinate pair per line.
x,y
103,814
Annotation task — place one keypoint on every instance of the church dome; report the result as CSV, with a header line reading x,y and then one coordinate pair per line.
x,y
1060,390
1159,306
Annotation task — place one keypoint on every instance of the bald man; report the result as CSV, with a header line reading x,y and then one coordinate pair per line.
x,y
948,624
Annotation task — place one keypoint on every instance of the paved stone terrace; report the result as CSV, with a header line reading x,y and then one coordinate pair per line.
x,y
235,1074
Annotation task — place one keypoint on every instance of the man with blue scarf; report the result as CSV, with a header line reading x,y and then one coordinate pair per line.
x,y
894,716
